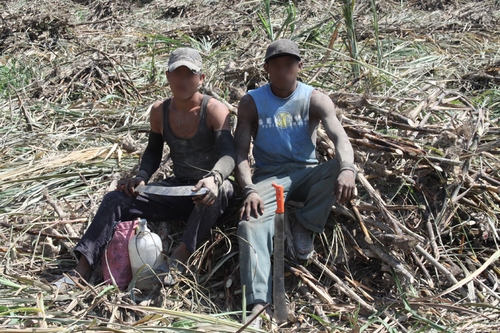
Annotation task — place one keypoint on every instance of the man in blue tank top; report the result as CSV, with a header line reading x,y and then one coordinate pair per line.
x,y
282,118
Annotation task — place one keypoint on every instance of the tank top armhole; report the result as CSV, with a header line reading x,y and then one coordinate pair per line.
x,y
166,122
203,112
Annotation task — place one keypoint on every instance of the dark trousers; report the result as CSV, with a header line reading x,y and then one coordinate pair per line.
x,y
117,206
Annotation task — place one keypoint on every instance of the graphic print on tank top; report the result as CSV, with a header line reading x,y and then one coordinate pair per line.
x,y
283,134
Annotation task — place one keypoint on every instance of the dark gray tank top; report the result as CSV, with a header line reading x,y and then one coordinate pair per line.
x,y
193,157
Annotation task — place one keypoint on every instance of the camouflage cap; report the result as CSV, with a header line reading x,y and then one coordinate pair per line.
x,y
185,56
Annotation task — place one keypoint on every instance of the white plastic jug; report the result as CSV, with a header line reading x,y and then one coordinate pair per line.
x,y
145,247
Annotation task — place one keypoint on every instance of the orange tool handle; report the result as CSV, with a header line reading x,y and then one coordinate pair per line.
x,y
280,200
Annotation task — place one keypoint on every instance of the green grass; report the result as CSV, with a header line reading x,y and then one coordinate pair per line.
x,y
14,72
232,38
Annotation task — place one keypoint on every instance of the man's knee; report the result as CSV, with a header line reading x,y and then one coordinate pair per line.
x,y
256,232
115,199
245,228
250,231
113,196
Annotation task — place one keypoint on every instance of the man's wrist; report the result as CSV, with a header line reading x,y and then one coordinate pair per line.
x,y
249,189
348,166
217,177
143,174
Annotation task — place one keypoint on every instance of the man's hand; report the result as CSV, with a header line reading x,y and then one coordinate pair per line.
x,y
128,185
253,205
209,197
345,188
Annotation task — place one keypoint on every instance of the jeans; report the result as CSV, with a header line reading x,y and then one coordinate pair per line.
x,y
311,184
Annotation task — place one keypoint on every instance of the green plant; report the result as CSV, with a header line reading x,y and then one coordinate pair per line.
x,y
375,30
16,73
350,38
267,22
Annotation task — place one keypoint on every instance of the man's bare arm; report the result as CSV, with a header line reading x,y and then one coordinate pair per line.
x,y
322,108
247,118
247,115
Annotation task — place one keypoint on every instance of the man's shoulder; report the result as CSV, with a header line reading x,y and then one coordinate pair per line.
x,y
320,104
214,103
259,90
157,107
247,99
215,106
247,103
317,97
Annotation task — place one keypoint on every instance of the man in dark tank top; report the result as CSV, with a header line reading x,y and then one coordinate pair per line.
x,y
282,119
198,133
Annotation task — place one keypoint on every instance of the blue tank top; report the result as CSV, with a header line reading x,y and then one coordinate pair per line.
x,y
283,134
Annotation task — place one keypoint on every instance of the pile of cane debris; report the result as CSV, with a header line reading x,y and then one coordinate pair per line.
x,y
417,249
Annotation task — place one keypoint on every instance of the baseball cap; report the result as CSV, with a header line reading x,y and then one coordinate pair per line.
x,y
185,56
282,47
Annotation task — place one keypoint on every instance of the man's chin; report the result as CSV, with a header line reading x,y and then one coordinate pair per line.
x,y
283,86
183,94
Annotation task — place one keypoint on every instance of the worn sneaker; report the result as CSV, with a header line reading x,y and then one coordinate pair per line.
x,y
66,283
257,322
302,239
169,272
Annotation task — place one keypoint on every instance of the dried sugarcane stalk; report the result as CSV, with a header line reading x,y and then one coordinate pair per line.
x,y
379,225
343,287
368,239
358,142
432,236
399,125
298,324
398,227
42,234
391,260
363,206
403,242
424,270
69,229
320,291
441,268
494,189
488,146
341,210
317,307
26,115
406,146
352,242
397,116
489,179
430,99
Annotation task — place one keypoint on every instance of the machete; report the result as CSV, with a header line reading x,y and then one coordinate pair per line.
x,y
279,297
170,191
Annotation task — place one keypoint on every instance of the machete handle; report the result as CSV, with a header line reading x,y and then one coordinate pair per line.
x,y
280,200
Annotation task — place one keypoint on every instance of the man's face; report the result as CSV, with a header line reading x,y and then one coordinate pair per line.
x,y
183,82
283,71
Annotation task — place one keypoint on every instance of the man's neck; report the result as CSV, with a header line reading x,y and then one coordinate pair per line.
x,y
186,105
284,93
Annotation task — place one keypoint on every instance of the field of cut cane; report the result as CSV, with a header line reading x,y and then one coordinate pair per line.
x,y
417,88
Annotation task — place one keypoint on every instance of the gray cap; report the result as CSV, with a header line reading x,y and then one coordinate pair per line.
x,y
185,56
282,47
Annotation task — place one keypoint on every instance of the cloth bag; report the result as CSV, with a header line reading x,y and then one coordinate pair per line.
x,y
115,260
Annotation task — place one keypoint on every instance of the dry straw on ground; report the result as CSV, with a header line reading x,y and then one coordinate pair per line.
x,y
416,251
